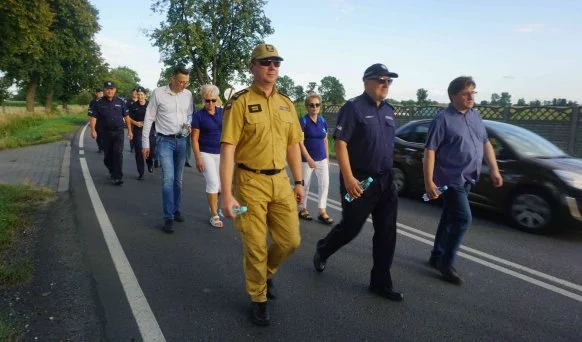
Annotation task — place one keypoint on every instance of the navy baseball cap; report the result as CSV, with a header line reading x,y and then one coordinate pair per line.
x,y
109,84
378,70
140,89
97,90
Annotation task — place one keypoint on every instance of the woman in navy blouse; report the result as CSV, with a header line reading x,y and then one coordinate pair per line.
x,y
315,157
206,131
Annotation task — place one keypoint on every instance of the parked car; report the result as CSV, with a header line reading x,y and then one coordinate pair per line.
x,y
542,185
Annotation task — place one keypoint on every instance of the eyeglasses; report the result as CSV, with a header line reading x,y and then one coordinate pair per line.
x,y
210,100
314,105
268,62
387,81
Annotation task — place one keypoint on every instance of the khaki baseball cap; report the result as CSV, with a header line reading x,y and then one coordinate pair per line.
x,y
263,51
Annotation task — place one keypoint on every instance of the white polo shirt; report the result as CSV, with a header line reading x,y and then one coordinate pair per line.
x,y
168,110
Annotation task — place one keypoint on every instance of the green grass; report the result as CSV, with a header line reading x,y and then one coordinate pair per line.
x,y
17,205
34,129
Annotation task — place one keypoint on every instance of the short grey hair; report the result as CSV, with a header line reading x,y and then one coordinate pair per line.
x,y
210,89
310,96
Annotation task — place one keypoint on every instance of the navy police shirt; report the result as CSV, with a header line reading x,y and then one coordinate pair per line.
x,y
110,112
368,131
314,135
457,140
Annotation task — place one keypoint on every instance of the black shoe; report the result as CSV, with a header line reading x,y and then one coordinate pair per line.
x,y
117,181
156,163
432,261
271,289
260,314
150,169
187,164
451,275
168,226
178,217
111,176
140,177
318,262
386,292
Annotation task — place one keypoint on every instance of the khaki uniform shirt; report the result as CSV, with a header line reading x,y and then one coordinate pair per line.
x,y
261,128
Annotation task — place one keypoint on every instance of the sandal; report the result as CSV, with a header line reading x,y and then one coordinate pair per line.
x,y
304,214
325,220
216,222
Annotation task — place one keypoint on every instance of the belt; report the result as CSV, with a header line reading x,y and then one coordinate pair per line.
x,y
172,135
263,172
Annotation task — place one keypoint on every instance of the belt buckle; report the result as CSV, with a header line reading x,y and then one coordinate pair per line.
x,y
257,171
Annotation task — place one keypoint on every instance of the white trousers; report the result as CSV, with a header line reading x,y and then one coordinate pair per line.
x,y
322,173
211,172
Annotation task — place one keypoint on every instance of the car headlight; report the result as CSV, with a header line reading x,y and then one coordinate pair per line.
x,y
572,179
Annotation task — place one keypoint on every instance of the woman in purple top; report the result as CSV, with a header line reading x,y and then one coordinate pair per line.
x,y
206,131
315,156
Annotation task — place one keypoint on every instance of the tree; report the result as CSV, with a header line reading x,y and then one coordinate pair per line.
x,y
214,37
559,102
125,79
505,99
25,27
311,87
535,103
495,99
331,90
521,102
484,103
298,93
421,96
285,85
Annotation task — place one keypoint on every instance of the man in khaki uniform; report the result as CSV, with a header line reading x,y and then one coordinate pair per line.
x,y
260,132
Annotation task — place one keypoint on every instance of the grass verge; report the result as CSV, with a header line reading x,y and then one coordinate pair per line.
x,y
34,129
17,205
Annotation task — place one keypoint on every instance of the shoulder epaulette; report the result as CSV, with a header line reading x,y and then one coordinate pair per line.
x,y
238,94
285,95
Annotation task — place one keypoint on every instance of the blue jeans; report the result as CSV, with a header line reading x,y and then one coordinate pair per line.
x,y
189,150
172,152
454,223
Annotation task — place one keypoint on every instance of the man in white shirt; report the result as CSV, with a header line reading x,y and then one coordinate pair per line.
x,y
169,107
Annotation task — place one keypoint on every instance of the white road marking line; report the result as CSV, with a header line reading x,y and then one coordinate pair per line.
x,y
82,136
144,317
81,152
403,231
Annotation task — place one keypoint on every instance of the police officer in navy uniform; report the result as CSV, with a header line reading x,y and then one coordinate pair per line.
x,y
112,112
364,144
129,103
137,112
98,96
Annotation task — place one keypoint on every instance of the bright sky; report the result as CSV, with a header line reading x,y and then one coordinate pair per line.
x,y
529,48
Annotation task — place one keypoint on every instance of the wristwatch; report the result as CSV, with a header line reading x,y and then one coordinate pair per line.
x,y
300,182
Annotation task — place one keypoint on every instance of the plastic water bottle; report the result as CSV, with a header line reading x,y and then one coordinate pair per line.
x,y
440,190
237,210
363,184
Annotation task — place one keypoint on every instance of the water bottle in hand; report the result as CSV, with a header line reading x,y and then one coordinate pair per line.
x,y
237,210
363,184
440,190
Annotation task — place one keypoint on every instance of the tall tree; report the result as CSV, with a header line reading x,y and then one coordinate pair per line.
x,y
125,79
495,99
535,103
331,90
298,93
311,87
25,27
286,85
214,37
421,96
521,102
505,99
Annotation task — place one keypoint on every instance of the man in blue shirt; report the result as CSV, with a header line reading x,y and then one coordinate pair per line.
x,y
456,144
364,144
112,113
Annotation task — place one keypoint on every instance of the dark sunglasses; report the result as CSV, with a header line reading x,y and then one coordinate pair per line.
x,y
267,62
208,101
314,105
384,80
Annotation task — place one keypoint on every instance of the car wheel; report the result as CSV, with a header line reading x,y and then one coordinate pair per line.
x,y
399,180
531,211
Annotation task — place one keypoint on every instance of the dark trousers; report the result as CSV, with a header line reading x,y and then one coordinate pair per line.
x,y
99,138
380,200
113,148
137,145
454,223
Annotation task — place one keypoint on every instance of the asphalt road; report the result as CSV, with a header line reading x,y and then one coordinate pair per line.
x,y
189,285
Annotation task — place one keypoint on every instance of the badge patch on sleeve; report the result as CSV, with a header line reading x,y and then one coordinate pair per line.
x,y
284,108
255,108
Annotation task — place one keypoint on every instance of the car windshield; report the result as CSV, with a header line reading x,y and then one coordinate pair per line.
x,y
528,143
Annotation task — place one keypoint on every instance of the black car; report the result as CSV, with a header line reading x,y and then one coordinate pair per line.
x,y
542,185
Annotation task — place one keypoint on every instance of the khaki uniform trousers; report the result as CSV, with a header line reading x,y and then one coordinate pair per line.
x,y
271,204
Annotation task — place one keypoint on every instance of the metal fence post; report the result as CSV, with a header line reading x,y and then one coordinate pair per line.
x,y
506,113
574,130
